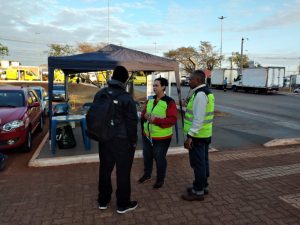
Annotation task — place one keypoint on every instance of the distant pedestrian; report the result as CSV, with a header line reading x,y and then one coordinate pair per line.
x,y
198,128
158,118
225,84
120,150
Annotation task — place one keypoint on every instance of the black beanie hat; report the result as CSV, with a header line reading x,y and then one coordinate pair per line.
x,y
120,73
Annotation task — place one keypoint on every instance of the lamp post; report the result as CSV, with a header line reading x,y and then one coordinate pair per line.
x,y
221,18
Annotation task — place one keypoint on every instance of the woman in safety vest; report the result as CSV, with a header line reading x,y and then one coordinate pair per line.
x,y
158,118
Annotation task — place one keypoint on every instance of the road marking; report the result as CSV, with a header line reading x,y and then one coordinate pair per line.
x,y
268,172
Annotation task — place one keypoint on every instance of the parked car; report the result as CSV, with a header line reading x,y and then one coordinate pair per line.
x,y
59,93
20,117
140,80
184,81
42,93
297,90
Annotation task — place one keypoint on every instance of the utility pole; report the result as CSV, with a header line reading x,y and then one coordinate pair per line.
x,y
108,22
221,18
241,61
155,47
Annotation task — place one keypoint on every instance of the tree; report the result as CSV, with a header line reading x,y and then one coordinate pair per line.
x,y
188,57
208,58
87,47
236,60
60,50
3,50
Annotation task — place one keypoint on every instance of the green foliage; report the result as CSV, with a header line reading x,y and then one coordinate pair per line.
x,y
190,58
3,50
235,59
60,50
208,57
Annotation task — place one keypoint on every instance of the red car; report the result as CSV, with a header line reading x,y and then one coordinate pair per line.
x,y
20,116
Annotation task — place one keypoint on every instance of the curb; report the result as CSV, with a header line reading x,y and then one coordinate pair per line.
x,y
90,158
281,142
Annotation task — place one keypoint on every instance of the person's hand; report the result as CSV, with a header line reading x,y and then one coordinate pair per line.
x,y
188,143
149,118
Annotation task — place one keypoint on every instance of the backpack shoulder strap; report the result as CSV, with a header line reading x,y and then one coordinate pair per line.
x,y
203,89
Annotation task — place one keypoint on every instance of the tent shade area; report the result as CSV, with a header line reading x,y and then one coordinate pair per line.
x,y
108,58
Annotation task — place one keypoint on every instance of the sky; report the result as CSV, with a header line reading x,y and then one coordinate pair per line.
x,y
270,28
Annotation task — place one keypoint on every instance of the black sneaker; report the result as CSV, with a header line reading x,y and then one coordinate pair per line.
x,y
158,184
144,178
190,190
132,206
103,206
192,197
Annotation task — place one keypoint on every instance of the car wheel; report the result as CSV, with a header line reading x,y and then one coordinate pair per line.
x,y
234,88
28,143
41,124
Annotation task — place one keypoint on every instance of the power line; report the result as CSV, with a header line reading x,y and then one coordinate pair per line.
x,y
22,41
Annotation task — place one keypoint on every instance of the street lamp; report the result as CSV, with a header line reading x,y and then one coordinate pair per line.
x,y
221,18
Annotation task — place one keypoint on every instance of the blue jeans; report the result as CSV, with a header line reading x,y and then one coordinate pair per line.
x,y
158,151
200,164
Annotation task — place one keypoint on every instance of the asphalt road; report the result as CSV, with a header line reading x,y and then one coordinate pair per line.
x,y
250,120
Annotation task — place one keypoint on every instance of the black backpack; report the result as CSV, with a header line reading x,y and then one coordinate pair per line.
x,y
100,118
65,137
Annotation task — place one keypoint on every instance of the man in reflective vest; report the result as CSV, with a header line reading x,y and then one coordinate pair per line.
x,y
198,129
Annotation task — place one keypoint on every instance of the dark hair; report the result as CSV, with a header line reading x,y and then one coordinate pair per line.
x,y
121,74
163,81
200,74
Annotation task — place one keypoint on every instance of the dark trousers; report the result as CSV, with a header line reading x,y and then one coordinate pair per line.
x,y
200,164
157,151
117,152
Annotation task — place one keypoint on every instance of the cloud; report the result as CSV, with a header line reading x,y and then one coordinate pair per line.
x,y
286,15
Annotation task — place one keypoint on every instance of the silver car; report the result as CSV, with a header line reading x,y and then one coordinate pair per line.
x,y
59,93
297,90
43,95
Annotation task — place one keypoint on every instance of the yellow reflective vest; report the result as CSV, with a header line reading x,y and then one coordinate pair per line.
x,y
159,110
206,129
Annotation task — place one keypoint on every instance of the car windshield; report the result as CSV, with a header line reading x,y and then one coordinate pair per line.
x,y
11,98
39,93
59,87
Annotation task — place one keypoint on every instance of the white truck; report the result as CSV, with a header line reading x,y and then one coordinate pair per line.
x,y
218,76
170,76
260,80
295,80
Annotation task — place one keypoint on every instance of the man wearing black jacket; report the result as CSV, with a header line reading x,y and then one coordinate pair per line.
x,y
120,150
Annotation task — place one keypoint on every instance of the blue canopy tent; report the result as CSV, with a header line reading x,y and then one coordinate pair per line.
x,y
108,58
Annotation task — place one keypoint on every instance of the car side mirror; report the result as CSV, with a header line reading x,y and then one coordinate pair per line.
x,y
35,104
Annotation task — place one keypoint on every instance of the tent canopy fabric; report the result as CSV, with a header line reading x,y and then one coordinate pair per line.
x,y
108,58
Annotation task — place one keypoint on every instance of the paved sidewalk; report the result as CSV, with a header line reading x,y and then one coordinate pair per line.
x,y
246,187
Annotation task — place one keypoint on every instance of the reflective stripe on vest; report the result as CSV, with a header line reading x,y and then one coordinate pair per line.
x,y
206,129
159,110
